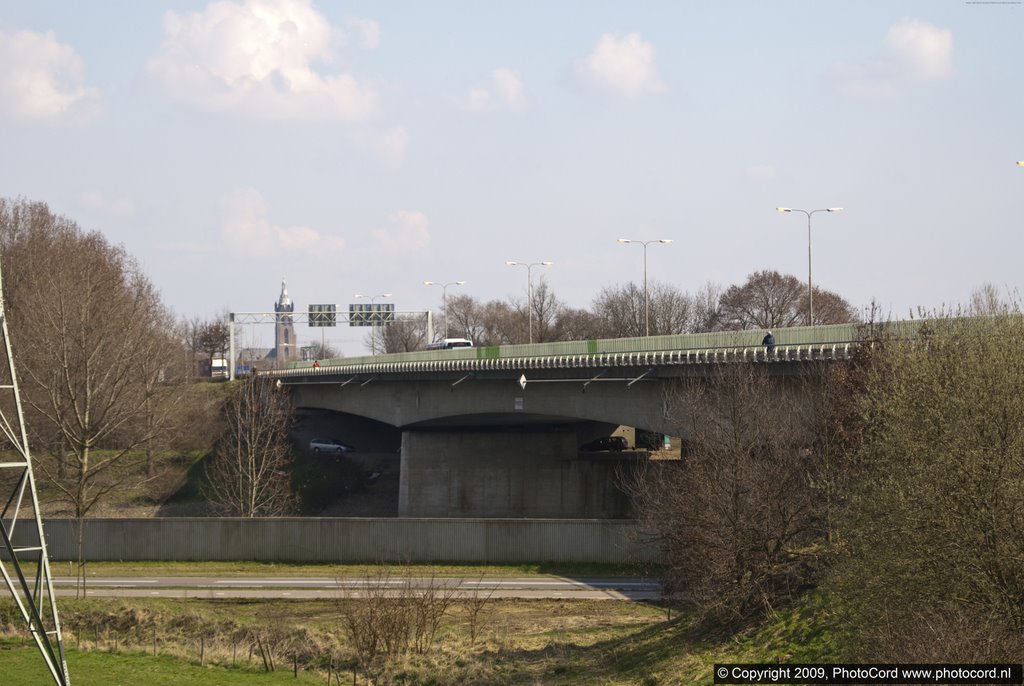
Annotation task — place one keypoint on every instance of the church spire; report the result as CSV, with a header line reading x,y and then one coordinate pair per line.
x,y
283,301
284,335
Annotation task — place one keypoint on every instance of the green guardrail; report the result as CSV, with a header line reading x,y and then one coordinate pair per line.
x,y
832,334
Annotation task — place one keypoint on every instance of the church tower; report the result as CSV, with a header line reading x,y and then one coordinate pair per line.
x,y
285,346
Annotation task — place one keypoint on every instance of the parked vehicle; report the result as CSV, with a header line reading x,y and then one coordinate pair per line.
x,y
615,443
329,445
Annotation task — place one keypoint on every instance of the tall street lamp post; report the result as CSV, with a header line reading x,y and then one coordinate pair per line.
x,y
444,297
373,330
810,290
647,316
529,285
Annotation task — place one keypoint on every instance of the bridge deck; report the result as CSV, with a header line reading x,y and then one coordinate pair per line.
x,y
806,343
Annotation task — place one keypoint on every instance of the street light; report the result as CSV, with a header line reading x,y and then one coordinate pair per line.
x,y
373,333
810,291
647,317
1021,163
444,297
529,285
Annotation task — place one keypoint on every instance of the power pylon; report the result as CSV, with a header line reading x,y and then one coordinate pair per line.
x,y
24,545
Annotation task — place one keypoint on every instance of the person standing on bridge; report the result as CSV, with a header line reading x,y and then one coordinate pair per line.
x,y
768,342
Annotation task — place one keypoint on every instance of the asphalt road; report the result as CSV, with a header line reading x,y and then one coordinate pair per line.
x,y
330,588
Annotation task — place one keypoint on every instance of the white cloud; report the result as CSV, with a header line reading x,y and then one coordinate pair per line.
x,y
386,146
923,51
913,50
118,207
256,57
408,231
623,65
42,80
504,89
246,228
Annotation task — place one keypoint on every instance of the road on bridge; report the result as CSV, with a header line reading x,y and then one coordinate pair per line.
x,y
349,587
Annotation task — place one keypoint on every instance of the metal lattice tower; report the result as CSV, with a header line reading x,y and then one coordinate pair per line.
x,y
22,525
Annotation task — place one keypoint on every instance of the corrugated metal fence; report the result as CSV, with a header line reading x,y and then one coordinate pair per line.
x,y
350,540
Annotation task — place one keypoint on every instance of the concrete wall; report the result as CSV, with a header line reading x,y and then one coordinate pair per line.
x,y
349,540
506,474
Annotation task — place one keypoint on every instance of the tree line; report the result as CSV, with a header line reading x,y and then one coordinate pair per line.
x,y
766,300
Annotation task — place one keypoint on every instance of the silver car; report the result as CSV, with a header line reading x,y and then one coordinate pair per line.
x,y
329,445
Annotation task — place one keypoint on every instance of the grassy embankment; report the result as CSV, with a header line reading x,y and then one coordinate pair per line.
x,y
518,642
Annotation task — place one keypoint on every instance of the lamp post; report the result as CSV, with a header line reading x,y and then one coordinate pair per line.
x,y
373,333
647,317
529,285
810,290
444,297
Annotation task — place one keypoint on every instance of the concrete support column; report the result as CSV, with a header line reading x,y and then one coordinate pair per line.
x,y
451,473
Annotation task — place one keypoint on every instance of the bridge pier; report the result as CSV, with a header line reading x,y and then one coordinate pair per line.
x,y
512,473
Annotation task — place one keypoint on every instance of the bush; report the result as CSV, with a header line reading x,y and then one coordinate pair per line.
x,y
933,563
739,517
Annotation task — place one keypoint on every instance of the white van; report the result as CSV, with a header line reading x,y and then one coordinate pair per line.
x,y
219,368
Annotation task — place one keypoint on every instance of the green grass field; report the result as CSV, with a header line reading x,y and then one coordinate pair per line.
x,y
23,666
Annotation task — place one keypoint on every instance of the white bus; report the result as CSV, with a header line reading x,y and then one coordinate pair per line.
x,y
449,343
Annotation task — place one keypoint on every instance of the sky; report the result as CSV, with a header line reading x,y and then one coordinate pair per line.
x,y
367,147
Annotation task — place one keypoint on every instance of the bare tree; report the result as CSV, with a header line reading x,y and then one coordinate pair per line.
x,y
322,351
578,325
163,376
770,300
671,310
212,338
547,310
543,310
622,310
492,323
99,350
734,517
190,335
407,333
707,308
831,308
465,317
500,324
249,474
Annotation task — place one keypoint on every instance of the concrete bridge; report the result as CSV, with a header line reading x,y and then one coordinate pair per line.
x,y
495,431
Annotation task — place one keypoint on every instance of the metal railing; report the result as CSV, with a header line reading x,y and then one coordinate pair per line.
x,y
797,344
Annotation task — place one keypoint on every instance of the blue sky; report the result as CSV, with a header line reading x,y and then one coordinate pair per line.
x,y
369,146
